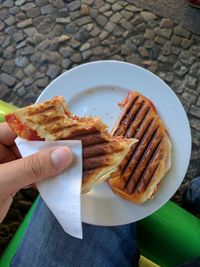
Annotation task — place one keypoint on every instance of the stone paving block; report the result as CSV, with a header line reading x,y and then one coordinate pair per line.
x,y
126,24
130,45
122,3
29,70
141,27
110,26
186,58
8,52
104,8
176,40
19,2
76,58
74,5
178,30
89,2
9,21
8,3
186,43
48,9
84,10
27,6
116,17
18,36
102,20
1,25
82,21
45,26
116,7
21,61
24,23
165,33
190,96
179,69
149,34
194,110
103,35
86,54
8,66
137,20
42,2
166,23
198,101
132,8
195,124
126,14
14,10
148,16
43,82
195,69
7,79
20,16
53,71
190,82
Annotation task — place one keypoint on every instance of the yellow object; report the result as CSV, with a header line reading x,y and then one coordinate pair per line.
x,y
5,108
144,262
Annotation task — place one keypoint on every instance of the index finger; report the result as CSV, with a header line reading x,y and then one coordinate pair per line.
x,y
7,136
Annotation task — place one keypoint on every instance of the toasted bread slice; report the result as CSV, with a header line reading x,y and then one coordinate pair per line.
x,y
140,173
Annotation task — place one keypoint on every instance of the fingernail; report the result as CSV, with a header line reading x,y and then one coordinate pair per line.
x,y
61,157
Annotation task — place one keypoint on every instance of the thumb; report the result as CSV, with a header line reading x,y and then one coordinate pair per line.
x,y
17,174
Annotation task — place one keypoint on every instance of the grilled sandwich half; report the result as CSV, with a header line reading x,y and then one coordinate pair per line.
x,y
140,173
51,120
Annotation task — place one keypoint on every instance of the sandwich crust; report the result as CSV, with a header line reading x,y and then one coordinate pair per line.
x,y
140,173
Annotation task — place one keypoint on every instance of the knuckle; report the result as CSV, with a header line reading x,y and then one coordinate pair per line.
x,y
33,168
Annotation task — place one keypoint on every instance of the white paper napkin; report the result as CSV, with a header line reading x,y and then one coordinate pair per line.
x,y
62,193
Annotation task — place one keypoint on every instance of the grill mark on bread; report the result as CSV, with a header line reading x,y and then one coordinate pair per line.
x,y
96,162
143,165
135,163
138,149
46,120
139,134
41,110
121,130
90,139
60,129
137,121
149,171
145,180
101,149
84,132
130,117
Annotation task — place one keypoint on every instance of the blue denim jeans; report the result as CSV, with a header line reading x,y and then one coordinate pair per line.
x,y
45,244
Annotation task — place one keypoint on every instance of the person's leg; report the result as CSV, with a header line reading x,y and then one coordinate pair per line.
x,y
191,197
45,244
194,3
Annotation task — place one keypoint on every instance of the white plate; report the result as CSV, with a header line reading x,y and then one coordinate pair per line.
x,y
96,89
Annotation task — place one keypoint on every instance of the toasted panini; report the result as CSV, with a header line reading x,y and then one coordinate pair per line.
x,y
51,120
140,173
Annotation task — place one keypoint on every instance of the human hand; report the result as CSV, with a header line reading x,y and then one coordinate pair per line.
x,y
17,172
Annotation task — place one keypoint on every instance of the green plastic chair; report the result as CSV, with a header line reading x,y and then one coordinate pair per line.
x,y
167,238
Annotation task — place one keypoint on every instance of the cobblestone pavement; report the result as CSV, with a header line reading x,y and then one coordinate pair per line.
x,y
179,10
41,39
